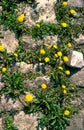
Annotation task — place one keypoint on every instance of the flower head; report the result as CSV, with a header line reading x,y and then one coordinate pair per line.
x,y
42,51
28,97
59,53
64,3
72,11
43,86
21,18
47,46
38,25
60,67
15,54
55,46
64,91
2,48
65,58
67,72
64,25
56,56
69,45
63,86
66,112
47,59
4,69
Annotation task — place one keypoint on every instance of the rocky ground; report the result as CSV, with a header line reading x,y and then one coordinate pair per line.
x,y
76,62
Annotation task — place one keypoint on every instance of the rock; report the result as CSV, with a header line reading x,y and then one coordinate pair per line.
x,y
50,40
40,80
80,40
81,98
9,105
28,42
9,41
77,121
25,122
31,16
76,59
0,8
46,10
78,78
1,124
25,68
76,102
78,21
42,10
1,85
33,44
77,3
37,82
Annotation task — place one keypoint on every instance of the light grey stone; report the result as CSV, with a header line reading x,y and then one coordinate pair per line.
x,y
80,40
25,68
37,82
77,121
28,42
76,102
9,41
0,8
8,104
1,127
50,40
78,78
33,44
76,59
76,3
25,122
40,80
1,85
46,10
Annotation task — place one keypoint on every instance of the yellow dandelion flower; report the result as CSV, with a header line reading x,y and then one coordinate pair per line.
x,y
69,45
47,59
55,46
42,51
65,58
4,69
64,25
63,86
21,18
28,97
22,15
59,53
60,67
67,72
47,46
38,25
72,11
43,86
66,112
15,54
64,3
56,56
64,91
2,48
